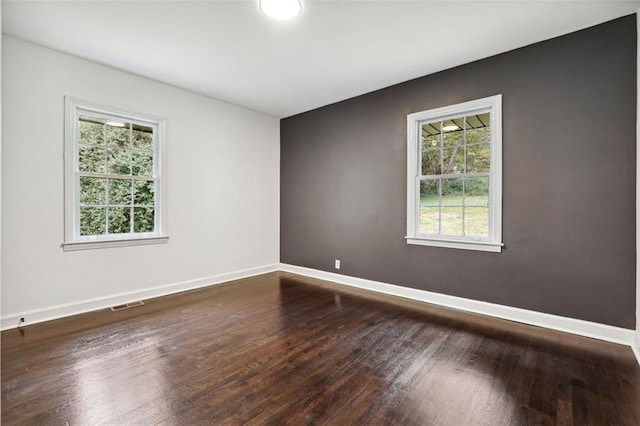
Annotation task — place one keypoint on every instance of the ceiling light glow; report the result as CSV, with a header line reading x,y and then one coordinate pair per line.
x,y
115,124
281,9
450,127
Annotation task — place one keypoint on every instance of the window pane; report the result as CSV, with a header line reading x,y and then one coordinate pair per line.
x,y
142,137
143,219
431,142
119,192
91,159
478,130
429,192
431,162
454,136
482,135
144,192
476,192
119,220
431,128
118,162
478,158
451,221
429,220
452,192
118,136
91,130
453,160
92,221
476,221
142,164
92,190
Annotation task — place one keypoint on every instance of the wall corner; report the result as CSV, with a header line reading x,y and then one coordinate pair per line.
x,y
636,343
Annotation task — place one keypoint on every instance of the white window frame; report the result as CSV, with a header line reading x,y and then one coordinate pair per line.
x,y
492,243
72,238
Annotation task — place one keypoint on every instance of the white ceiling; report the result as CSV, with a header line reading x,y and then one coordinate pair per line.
x,y
334,50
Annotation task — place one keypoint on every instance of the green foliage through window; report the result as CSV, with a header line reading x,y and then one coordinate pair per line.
x,y
115,165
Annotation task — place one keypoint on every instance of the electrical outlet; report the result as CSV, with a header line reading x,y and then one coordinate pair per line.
x,y
337,263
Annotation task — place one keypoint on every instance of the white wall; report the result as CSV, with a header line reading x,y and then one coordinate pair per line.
x,y
222,188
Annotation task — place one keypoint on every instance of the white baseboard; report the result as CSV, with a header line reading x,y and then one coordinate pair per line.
x,y
635,346
569,325
55,312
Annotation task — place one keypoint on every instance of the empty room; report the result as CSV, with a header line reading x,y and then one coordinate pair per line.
x,y
319,212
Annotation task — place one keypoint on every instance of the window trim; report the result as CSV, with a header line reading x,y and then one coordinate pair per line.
x,y
72,240
494,242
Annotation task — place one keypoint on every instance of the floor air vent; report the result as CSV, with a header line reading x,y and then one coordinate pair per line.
x,y
126,306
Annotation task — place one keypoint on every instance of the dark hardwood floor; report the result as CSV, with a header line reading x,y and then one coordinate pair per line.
x,y
283,349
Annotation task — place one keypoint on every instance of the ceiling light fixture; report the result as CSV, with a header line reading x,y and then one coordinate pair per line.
x,y
450,127
281,9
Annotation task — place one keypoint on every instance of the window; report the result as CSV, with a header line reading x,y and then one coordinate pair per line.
x,y
113,177
454,176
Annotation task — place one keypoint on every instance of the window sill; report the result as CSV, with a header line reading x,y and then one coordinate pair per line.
x,y
456,244
89,245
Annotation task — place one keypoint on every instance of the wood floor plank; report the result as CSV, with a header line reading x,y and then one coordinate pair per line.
x,y
282,349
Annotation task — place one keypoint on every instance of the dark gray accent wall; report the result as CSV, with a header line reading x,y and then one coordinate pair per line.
x,y
569,114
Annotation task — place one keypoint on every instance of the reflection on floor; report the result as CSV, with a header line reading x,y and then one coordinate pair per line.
x,y
284,349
